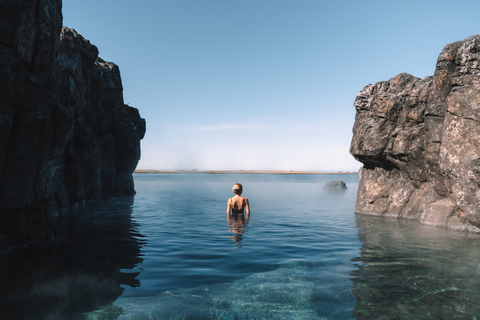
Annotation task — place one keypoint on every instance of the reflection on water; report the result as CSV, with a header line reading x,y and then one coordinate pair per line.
x,y
410,271
237,224
81,271
290,260
302,255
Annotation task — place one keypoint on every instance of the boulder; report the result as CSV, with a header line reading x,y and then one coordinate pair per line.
x,y
65,133
418,142
335,185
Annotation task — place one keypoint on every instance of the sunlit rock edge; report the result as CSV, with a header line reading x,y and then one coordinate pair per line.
x,y
418,142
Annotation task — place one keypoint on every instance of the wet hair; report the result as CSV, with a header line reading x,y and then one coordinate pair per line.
x,y
237,188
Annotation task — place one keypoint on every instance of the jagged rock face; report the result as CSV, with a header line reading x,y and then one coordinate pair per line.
x,y
65,133
418,142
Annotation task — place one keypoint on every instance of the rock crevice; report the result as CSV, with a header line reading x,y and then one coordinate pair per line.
x,y
418,142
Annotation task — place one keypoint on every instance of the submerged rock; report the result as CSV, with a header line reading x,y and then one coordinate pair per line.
x,y
335,185
293,291
65,132
418,142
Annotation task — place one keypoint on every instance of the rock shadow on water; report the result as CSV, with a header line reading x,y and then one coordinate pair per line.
x,y
81,271
411,271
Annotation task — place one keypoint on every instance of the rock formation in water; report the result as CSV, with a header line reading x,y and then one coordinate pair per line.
x,y
335,185
418,140
65,133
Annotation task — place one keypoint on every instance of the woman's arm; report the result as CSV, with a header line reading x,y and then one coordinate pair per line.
x,y
228,208
247,207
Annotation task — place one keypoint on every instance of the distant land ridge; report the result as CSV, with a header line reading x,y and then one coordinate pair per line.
x,y
242,171
418,140
65,133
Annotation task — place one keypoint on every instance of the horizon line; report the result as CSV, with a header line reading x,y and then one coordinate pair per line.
x,y
243,171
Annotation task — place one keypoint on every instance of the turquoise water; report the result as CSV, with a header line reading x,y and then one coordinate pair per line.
x,y
169,252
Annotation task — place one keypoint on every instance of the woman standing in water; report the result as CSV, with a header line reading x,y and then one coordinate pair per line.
x,y
238,204
238,212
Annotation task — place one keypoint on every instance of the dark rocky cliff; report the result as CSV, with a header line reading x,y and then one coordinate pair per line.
x,y
65,133
418,140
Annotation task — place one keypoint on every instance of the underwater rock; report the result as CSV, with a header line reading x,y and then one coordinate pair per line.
x,y
85,269
65,133
335,185
295,290
418,142
414,271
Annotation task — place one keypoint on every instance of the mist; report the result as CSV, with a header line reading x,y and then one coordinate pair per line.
x,y
270,147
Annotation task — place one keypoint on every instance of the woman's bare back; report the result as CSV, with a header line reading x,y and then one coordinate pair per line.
x,y
238,203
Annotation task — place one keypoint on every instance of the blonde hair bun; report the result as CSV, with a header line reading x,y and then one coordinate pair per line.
x,y
237,188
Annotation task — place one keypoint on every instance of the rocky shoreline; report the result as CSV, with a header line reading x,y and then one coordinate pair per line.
x,y
418,142
65,133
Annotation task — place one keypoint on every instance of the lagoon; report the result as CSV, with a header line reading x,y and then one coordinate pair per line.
x,y
169,252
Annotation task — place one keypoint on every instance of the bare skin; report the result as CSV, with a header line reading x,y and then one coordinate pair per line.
x,y
238,203
238,213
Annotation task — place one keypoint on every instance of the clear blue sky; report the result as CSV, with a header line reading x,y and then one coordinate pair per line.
x,y
261,84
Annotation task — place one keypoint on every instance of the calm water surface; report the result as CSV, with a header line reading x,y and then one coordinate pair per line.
x,y
169,252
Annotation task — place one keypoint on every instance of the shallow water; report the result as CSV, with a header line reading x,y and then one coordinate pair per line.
x,y
169,252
